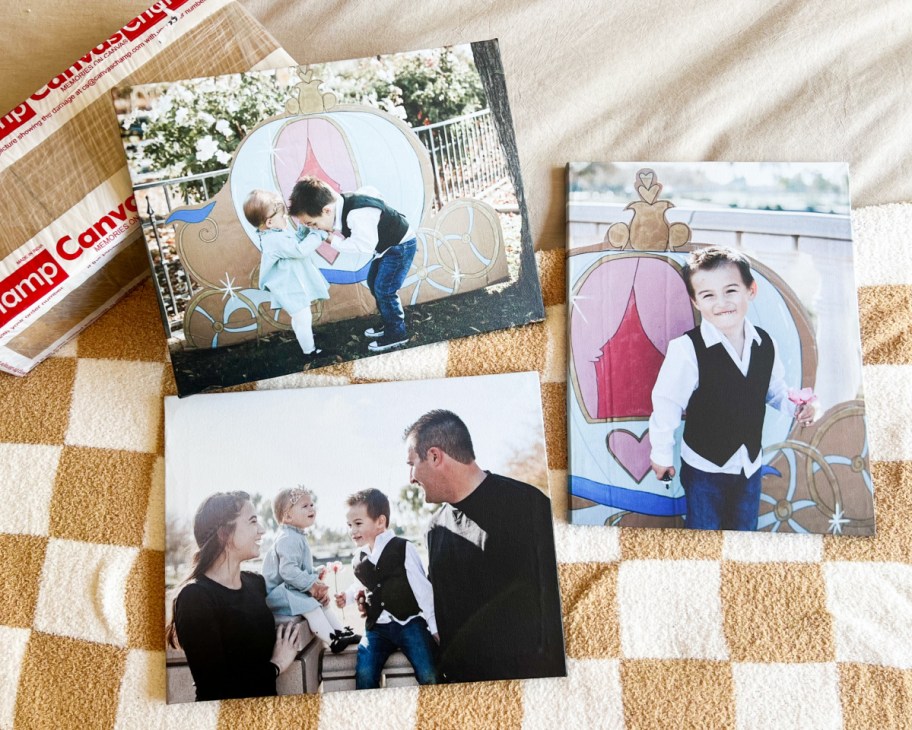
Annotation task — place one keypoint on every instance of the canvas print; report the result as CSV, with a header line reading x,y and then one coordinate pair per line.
x,y
302,217
359,537
714,352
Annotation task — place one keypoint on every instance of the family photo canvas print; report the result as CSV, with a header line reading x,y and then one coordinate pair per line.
x,y
306,216
714,350
359,537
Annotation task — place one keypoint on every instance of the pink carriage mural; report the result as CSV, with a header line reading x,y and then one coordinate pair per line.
x,y
627,301
459,248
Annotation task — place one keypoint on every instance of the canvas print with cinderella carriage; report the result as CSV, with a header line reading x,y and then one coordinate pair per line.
x,y
714,366
308,216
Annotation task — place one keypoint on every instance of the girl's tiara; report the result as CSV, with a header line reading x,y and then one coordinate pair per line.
x,y
296,494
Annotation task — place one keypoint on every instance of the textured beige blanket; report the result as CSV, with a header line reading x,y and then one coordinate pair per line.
x,y
743,630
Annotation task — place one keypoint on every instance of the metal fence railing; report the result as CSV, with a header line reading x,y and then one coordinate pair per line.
x,y
466,157
155,201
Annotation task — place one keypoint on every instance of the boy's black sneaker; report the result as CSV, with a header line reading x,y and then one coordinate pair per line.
x,y
340,640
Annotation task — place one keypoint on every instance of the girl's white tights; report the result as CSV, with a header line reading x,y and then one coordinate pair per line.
x,y
301,323
323,623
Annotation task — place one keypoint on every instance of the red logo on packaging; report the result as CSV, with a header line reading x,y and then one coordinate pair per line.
x,y
27,284
15,119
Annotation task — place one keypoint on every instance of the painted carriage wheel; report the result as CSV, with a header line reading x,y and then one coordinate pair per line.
x,y
857,463
428,277
214,320
831,506
474,219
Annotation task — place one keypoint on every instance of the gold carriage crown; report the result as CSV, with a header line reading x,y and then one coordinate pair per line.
x,y
649,230
310,100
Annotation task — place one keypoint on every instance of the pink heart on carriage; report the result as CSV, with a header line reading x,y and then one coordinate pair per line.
x,y
631,452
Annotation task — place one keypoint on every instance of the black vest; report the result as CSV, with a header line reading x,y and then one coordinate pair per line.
x,y
387,584
727,408
391,227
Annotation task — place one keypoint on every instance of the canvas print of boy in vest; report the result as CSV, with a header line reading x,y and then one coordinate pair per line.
x,y
363,222
722,373
393,592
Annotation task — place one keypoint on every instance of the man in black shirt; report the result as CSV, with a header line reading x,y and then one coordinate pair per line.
x,y
491,560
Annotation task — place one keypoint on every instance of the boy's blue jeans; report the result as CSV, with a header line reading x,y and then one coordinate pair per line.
x,y
378,643
721,501
384,279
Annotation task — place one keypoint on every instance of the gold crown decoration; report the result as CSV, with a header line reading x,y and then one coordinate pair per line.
x,y
310,100
649,230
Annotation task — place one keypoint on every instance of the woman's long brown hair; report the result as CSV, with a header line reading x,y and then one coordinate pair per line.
x,y
213,526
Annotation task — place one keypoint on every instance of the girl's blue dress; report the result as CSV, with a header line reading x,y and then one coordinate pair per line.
x,y
287,268
289,572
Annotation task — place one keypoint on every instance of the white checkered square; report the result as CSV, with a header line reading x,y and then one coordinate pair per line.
x,y
13,643
116,405
871,604
888,394
301,380
142,698
671,609
768,547
881,243
82,593
586,544
591,692
416,363
393,708
28,483
802,696
67,350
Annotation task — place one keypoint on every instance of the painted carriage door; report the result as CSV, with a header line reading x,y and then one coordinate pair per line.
x,y
619,344
314,147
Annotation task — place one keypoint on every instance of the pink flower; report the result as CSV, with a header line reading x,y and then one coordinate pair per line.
x,y
802,397
336,566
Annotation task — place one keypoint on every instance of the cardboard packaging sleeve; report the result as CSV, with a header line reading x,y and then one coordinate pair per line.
x,y
70,243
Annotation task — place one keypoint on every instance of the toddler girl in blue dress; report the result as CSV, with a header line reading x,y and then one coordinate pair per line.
x,y
293,587
288,270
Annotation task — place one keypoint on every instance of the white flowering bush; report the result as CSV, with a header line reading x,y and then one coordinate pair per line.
x,y
420,88
195,126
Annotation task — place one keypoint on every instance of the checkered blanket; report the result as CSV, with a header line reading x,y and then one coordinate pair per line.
x,y
663,628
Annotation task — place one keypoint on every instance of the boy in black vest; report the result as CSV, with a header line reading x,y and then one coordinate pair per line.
x,y
723,373
370,226
398,599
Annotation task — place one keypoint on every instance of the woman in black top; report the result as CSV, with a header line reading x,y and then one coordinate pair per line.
x,y
220,617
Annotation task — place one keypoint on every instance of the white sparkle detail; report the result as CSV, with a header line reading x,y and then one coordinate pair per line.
x,y
228,288
574,298
838,520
